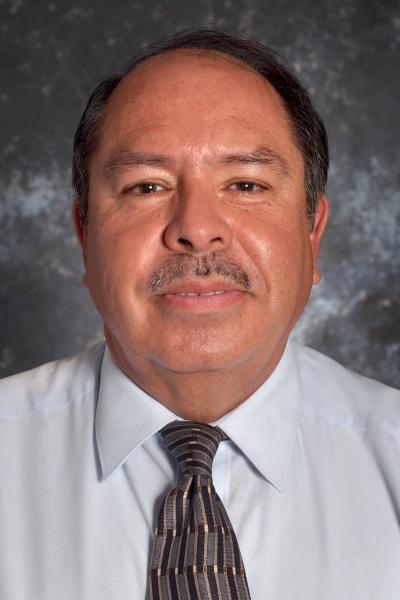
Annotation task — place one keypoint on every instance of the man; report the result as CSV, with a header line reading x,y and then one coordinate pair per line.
x,y
200,177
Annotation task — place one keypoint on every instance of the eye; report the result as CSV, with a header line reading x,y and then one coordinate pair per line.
x,y
248,187
146,187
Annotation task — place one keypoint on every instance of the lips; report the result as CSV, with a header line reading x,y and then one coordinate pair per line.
x,y
201,296
213,293
207,287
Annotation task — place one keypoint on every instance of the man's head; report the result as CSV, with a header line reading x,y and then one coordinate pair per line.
x,y
198,248
308,129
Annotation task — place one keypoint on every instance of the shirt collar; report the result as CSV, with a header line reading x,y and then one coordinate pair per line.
x,y
263,427
125,416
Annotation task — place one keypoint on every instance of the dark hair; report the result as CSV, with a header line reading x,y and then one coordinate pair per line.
x,y
309,131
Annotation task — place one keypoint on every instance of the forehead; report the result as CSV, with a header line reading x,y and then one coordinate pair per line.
x,y
196,98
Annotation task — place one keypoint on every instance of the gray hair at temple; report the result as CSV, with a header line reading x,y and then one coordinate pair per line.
x,y
308,128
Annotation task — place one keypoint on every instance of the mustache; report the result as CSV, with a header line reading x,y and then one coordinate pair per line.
x,y
182,265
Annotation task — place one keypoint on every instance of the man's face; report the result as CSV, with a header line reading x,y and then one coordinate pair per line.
x,y
198,252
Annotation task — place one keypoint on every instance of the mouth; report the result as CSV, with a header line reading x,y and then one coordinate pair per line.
x,y
202,296
212,293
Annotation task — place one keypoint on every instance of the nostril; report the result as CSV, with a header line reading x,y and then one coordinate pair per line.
x,y
189,244
185,242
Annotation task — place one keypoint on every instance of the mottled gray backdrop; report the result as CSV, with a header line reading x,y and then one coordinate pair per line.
x,y
346,52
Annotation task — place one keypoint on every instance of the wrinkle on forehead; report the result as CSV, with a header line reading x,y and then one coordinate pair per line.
x,y
122,160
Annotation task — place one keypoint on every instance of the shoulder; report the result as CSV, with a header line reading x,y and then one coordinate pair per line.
x,y
51,385
341,396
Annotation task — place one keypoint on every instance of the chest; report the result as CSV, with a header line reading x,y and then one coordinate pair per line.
x,y
80,536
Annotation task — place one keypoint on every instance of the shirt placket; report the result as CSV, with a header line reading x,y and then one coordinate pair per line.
x,y
222,471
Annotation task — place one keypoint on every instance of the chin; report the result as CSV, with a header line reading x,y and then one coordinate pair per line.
x,y
207,356
197,364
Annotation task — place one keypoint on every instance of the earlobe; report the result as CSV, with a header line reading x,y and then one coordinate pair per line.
x,y
320,222
81,235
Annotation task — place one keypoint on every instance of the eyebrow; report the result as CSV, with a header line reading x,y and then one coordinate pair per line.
x,y
262,155
124,159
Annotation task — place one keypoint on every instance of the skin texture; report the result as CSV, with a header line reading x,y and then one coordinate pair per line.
x,y
187,221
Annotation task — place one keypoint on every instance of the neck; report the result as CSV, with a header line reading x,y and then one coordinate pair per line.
x,y
204,395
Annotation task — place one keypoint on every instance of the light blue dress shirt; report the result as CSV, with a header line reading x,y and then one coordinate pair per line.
x,y
310,479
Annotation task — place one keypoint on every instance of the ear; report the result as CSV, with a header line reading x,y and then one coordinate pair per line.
x,y
320,221
81,234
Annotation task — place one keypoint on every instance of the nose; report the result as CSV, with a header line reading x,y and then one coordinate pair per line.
x,y
197,224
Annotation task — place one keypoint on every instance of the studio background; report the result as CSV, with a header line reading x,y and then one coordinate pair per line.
x,y
346,53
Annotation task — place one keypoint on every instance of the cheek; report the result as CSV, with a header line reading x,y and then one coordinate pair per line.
x,y
277,249
119,259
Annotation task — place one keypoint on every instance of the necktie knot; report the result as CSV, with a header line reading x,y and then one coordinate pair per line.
x,y
193,445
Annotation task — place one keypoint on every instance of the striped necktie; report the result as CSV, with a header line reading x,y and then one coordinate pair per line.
x,y
195,553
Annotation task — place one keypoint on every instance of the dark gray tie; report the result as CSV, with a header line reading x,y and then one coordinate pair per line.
x,y
195,553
